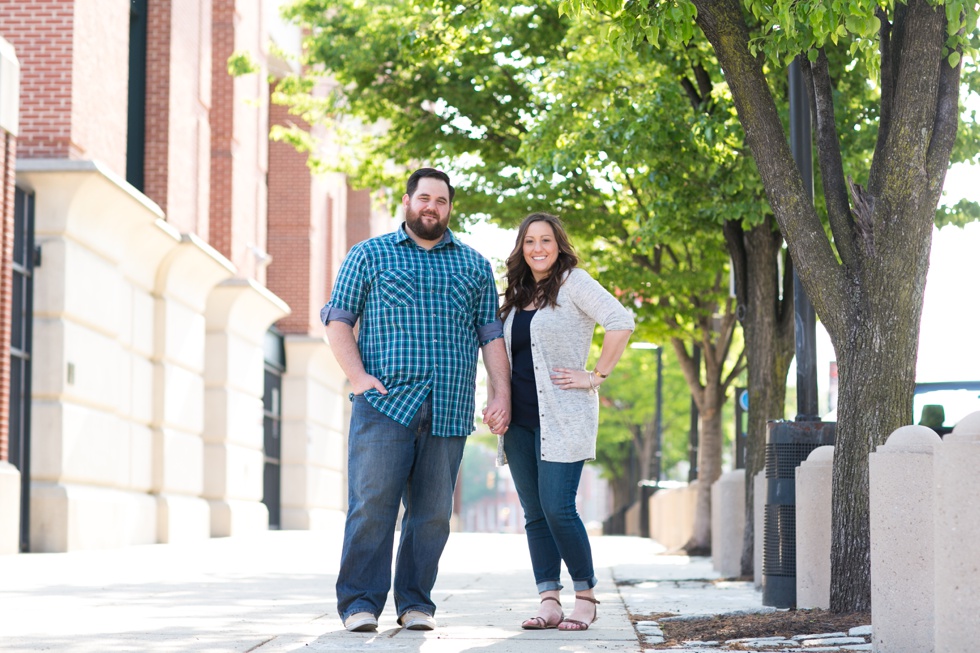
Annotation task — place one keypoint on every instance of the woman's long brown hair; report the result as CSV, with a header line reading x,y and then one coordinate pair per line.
x,y
522,290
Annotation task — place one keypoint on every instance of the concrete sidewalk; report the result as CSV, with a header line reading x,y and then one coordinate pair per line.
x,y
274,592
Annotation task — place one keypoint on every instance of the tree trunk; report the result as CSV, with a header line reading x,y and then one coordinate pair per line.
x,y
709,466
622,491
870,299
766,313
876,363
709,398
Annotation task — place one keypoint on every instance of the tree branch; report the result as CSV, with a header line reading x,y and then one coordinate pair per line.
x,y
736,371
947,119
723,24
829,157
726,332
734,239
692,374
704,84
889,70
692,93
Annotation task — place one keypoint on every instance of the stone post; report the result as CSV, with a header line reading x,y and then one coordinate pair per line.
x,y
814,480
957,532
902,541
728,522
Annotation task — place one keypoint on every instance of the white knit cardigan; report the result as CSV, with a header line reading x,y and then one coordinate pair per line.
x,y
561,337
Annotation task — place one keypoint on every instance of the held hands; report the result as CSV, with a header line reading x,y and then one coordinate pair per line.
x,y
497,416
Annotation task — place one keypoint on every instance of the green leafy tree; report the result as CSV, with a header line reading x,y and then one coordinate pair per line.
x,y
865,275
499,93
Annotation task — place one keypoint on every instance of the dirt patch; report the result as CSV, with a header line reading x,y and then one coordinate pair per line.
x,y
783,623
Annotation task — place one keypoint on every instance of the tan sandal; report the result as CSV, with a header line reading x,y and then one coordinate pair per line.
x,y
539,623
575,624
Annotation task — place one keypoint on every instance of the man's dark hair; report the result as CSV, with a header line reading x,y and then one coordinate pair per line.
x,y
413,181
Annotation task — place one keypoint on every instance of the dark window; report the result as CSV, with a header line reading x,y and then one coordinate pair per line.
x,y
136,120
275,365
20,352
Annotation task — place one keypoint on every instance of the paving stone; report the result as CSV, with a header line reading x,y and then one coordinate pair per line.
x,y
696,643
649,628
818,635
740,640
833,641
860,631
769,643
858,647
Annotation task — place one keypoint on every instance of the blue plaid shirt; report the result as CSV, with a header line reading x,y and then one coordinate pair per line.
x,y
424,314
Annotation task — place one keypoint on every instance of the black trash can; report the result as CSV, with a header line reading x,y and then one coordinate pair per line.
x,y
787,445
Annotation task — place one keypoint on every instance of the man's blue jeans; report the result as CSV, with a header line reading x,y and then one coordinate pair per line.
x,y
554,529
388,463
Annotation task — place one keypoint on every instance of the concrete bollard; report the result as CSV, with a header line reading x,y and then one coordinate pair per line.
x,y
9,508
814,482
728,523
902,541
957,532
672,516
760,488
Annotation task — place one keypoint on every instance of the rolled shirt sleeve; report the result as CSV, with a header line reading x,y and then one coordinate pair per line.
x,y
330,314
350,291
489,327
490,332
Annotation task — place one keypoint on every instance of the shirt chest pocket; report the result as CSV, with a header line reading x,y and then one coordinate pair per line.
x,y
397,288
464,296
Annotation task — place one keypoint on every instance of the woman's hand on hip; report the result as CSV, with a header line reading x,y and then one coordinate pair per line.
x,y
568,379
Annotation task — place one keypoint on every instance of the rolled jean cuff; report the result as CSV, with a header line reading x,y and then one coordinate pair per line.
x,y
581,585
549,586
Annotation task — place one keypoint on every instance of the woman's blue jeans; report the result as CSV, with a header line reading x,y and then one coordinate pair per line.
x,y
388,463
554,529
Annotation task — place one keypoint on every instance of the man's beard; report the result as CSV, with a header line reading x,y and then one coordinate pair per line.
x,y
424,230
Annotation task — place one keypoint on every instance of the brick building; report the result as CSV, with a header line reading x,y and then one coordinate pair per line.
x,y
163,268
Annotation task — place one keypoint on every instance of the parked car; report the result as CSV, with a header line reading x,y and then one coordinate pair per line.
x,y
941,405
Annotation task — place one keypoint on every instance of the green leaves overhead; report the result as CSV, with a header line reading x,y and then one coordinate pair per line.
x,y
439,81
786,27
642,164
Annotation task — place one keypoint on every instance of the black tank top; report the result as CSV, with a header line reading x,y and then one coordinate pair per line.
x,y
523,389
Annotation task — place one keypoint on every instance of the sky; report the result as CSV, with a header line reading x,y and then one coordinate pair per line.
x,y
949,337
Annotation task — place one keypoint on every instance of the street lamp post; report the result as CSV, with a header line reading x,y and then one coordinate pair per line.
x,y
658,406
645,489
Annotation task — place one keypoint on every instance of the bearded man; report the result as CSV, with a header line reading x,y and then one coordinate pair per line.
x,y
427,304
